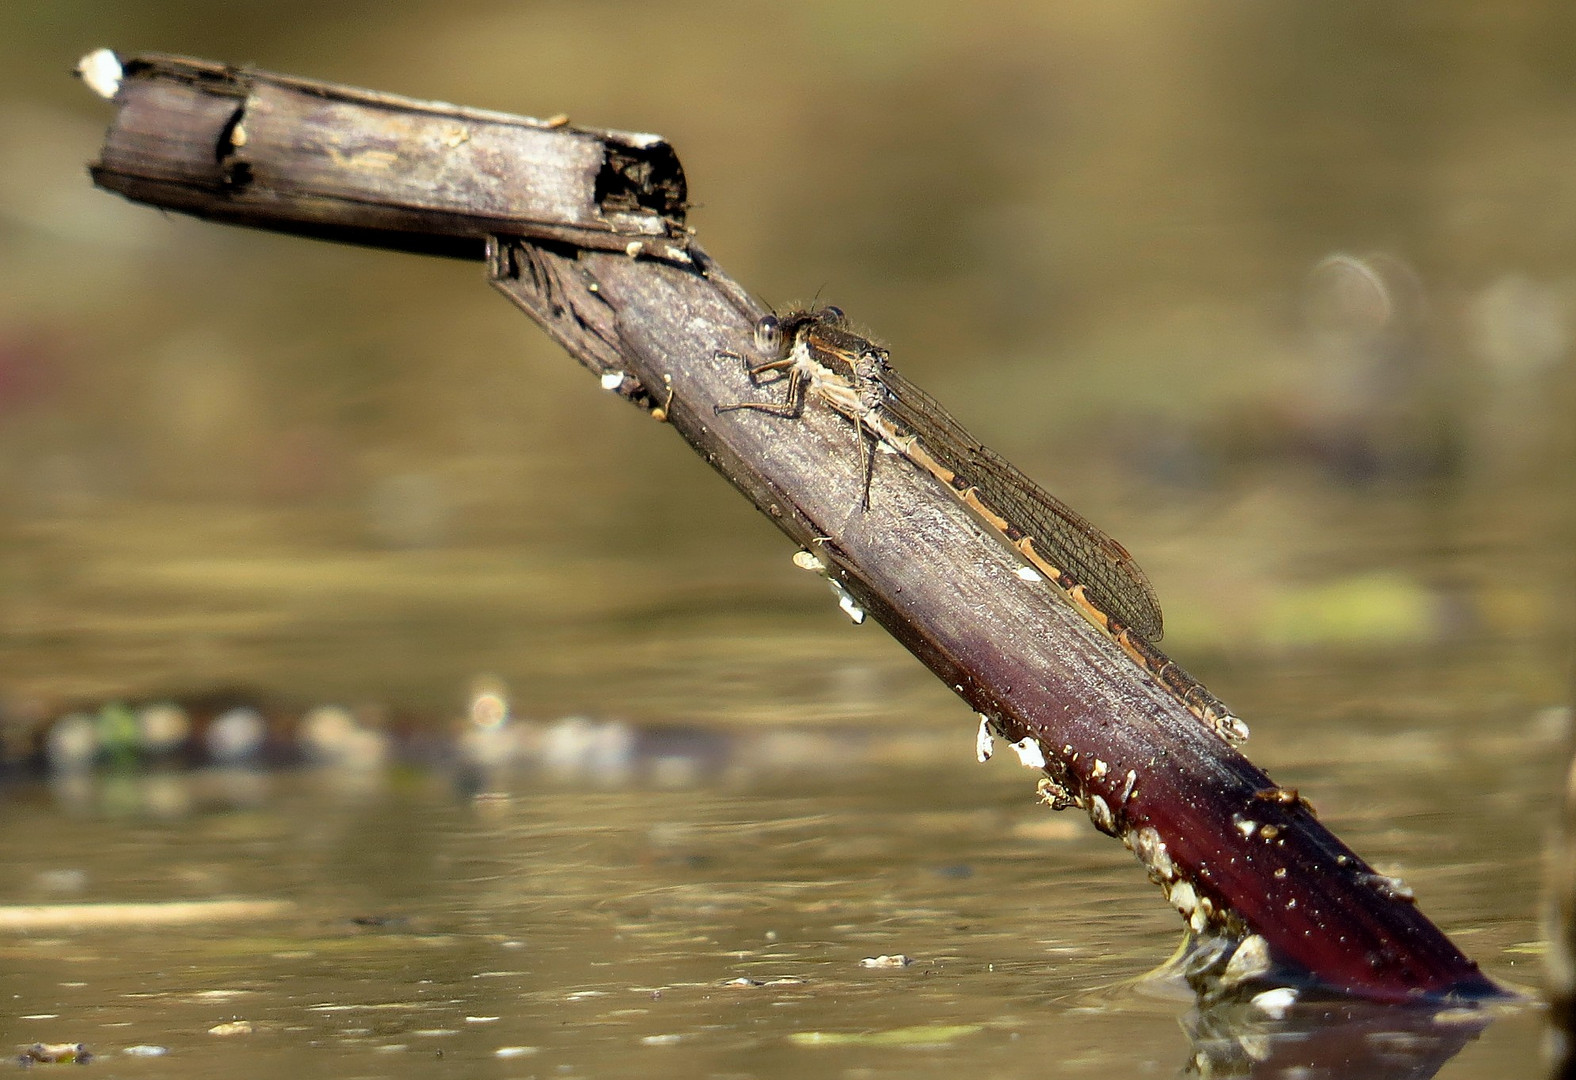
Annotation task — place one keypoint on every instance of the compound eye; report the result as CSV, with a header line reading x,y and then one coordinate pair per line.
x,y
769,335
833,315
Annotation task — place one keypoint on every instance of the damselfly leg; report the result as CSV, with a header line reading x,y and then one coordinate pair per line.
x,y
792,406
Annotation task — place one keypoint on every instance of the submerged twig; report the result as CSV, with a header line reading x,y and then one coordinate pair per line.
x,y
1272,896
32,918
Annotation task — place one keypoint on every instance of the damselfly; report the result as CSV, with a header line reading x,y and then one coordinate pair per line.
x,y
820,356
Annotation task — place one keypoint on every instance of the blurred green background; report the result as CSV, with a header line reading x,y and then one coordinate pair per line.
x,y
1279,295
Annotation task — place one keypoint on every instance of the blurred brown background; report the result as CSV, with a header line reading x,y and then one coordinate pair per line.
x,y
1279,295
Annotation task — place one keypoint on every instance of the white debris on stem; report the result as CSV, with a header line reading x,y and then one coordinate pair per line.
x,y
1053,794
805,559
846,601
1127,788
1100,814
100,70
1250,960
1029,752
1151,851
984,743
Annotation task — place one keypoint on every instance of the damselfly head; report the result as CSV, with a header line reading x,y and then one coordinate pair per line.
x,y
769,336
832,315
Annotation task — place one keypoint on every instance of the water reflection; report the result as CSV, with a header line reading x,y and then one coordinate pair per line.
x,y
1335,1039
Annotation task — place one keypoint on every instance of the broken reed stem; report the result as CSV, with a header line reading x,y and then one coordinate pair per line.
x,y
618,283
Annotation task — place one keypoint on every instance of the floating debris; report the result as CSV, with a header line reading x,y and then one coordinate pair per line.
x,y
236,736
896,960
577,747
72,744
918,1035
55,1054
164,727
331,735
32,917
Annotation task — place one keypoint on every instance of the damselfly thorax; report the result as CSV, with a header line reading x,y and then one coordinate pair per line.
x,y
816,353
